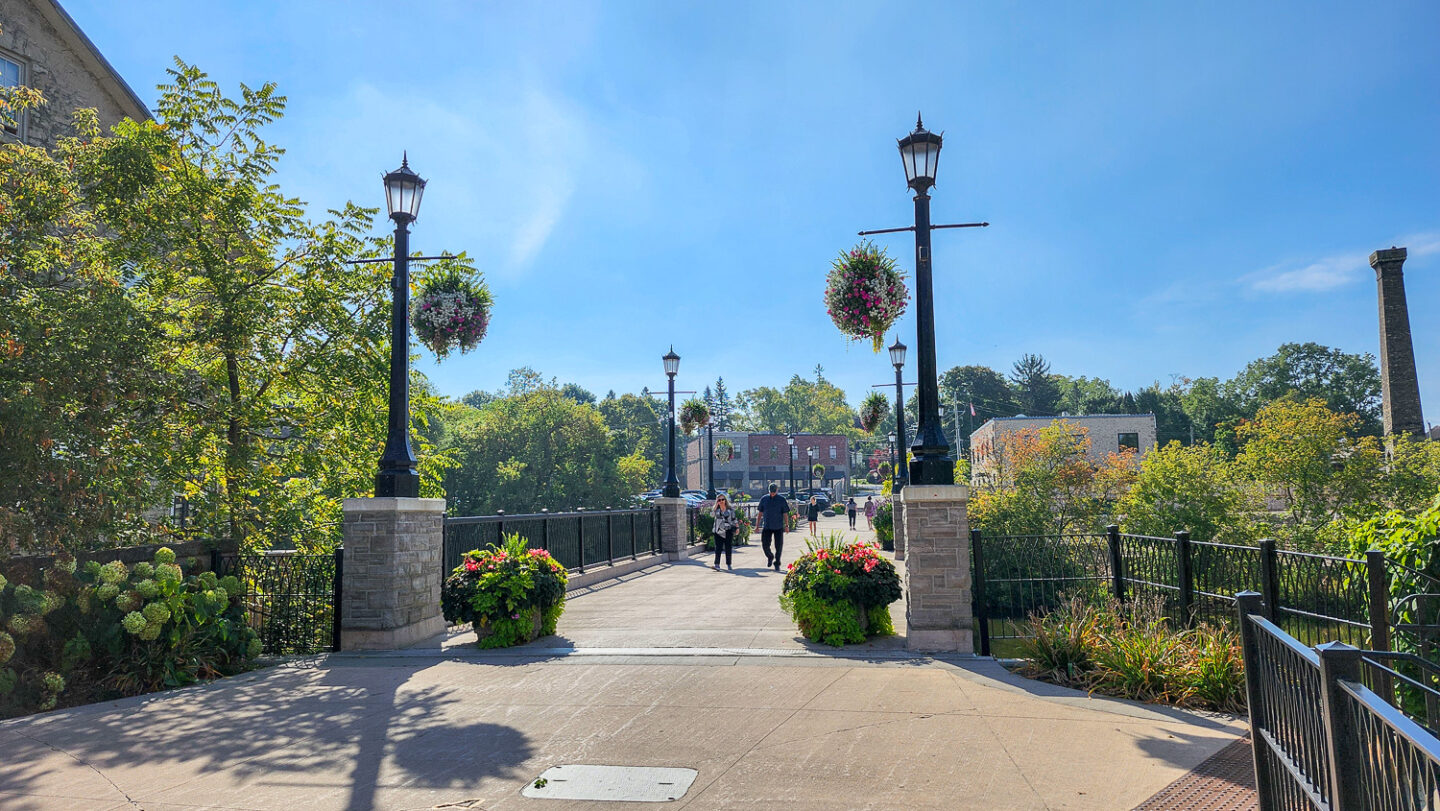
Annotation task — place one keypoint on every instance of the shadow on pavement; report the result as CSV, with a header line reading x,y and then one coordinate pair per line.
x,y
305,731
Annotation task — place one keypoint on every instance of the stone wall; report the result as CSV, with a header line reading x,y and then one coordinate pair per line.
x,y
674,528
57,60
392,572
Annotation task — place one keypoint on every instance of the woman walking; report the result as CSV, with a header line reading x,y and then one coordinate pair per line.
x,y
724,529
851,509
870,509
813,514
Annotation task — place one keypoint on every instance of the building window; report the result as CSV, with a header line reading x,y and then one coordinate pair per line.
x,y
1130,440
833,451
11,75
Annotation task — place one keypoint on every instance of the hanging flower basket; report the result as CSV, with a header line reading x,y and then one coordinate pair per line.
x,y
451,311
693,414
872,411
865,293
724,451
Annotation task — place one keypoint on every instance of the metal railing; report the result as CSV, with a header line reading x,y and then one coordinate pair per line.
x,y
1322,737
577,539
1314,597
293,598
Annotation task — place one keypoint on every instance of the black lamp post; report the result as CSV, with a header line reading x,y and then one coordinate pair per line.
x,y
672,484
810,471
920,152
790,440
398,475
897,359
710,435
894,469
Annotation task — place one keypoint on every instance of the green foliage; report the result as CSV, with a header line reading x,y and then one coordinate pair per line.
x,y
829,589
1045,484
511,594
1036,390
172,323
1132,652
98,633
873,411
803,406
884,524
1191,488
694,413
538,449
1345,383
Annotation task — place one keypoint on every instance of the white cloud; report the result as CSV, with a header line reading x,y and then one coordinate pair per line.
x,y
1330,272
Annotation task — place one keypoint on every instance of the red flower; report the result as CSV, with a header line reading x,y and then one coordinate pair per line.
x,y
471,565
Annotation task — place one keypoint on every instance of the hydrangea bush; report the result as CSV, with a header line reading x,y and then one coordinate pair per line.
x,y
839,592
511,594
102,631
451,312
865,293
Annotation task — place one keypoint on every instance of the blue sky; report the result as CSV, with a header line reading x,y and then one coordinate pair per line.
x,y
1174,189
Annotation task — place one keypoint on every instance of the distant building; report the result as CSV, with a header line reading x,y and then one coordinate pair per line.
x,y
42,47
762,459
1109,433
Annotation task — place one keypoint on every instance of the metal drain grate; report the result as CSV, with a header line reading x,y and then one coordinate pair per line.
x,y
1225,782
626,784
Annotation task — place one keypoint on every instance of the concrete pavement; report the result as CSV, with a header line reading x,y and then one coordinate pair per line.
x,y
678,666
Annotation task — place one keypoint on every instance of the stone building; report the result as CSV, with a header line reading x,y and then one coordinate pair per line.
x,y
42,47
1109,433
762,459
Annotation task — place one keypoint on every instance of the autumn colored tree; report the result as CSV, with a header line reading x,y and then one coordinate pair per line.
x,y
1047,484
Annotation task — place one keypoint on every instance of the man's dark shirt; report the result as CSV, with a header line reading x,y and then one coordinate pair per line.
x,y
773,507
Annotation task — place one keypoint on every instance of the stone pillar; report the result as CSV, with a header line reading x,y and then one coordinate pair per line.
x,y
674,527
938,614
1399,385
390,592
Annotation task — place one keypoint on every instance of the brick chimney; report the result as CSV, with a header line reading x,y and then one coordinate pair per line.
x,y
1399,386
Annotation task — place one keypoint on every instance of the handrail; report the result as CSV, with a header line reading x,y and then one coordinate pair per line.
x,y
486,519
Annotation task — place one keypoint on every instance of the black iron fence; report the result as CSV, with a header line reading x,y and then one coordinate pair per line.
x,y
577,540
1313,597
293,597
1330,727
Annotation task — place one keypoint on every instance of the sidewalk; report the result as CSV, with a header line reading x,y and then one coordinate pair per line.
x,y
677,666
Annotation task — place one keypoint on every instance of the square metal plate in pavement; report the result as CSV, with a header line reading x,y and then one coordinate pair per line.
x,y
632,784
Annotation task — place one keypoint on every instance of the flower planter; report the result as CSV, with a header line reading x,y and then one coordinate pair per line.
x,y
535,616
839,594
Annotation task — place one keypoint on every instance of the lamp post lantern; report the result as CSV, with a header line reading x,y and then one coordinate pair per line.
x,y
790,440
672,484
398,476
897,359
920,153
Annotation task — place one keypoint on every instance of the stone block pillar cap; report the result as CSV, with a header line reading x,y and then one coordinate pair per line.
x,y
1387,257
394,504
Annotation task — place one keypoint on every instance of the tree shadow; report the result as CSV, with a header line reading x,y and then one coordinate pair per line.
x,y
335,731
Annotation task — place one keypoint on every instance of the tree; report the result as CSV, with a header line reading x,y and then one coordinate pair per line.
x,y
635,427
1087,395
1171,422
1304,455
1047,484
1206,407
578,393
1035,388
1192,488
982,386
540,449
1346,383
83,399
721,406
802,406
277,341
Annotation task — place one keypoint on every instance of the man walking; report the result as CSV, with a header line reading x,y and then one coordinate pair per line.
x,y
772,524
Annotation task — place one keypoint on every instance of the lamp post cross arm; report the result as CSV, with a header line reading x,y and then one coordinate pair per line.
x,y
932,228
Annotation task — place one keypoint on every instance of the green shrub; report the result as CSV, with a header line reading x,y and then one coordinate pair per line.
x,y
839,593
884,524
506,593
108,631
